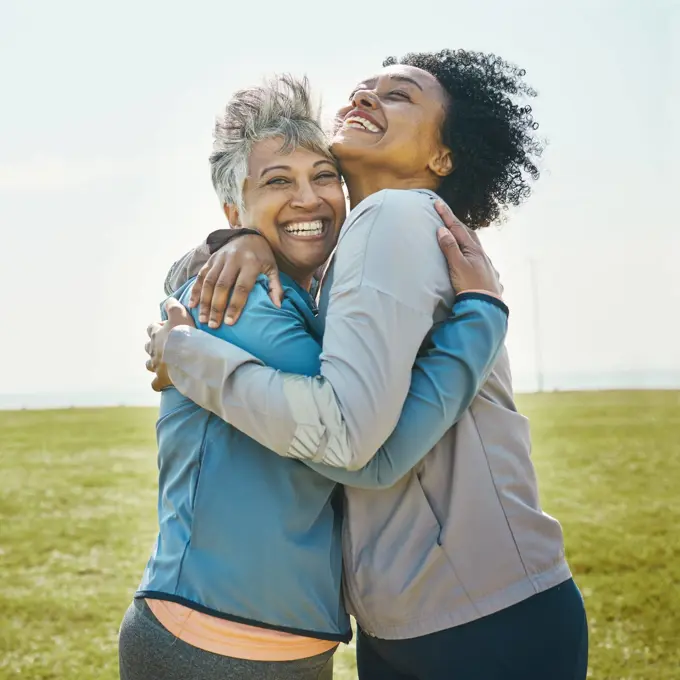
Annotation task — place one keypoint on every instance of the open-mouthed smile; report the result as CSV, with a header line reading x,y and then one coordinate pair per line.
x,y
358,120
306,229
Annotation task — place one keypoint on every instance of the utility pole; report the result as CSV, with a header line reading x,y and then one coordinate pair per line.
x,y
538,353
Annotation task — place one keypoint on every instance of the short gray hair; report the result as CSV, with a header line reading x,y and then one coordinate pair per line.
x,y
281,107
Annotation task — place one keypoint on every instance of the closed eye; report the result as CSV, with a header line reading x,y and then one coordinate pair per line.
x,y
400,94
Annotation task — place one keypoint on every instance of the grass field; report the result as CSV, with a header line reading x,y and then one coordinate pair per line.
x,y
77,521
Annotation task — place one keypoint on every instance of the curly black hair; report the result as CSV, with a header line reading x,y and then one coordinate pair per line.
x,y
491,134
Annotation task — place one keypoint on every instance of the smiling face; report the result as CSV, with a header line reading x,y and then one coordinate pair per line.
x,y
297,203
393,123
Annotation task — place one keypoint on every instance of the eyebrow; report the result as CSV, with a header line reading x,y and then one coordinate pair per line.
x,y
404,79
287,167
274,167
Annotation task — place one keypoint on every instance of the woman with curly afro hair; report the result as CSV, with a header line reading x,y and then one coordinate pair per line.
x,y
488,139
454,571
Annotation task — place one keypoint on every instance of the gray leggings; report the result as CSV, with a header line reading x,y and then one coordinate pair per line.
x,y
147,651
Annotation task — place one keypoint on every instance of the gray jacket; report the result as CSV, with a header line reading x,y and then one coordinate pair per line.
x,y
462,535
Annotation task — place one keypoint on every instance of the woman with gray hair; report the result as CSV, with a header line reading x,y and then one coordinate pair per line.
x,y
245,578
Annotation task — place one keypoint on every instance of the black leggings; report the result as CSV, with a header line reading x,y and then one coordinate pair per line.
x,y
542,638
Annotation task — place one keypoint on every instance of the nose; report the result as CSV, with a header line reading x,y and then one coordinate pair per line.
x,y
305,197
364,99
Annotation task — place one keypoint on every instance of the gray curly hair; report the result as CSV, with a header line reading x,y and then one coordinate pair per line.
x,y
281,107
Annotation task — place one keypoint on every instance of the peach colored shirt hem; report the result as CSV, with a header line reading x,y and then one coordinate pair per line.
x,y
236,640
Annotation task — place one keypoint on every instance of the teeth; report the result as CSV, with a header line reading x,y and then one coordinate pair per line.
x,y
307,228
361,124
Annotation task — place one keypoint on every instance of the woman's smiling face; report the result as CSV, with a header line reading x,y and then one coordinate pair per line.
x,y
295,199
393,120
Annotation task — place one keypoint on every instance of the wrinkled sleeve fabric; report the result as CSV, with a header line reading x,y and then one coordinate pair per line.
x,y
388,278
186,267
190,264
444,382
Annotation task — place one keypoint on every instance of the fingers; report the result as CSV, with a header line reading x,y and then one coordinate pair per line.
x,y
460,232
178,314
239,295
198,285
473,235
443,210
153,361
221,292
156,367
449,246
215,275
275,287
153,328
150,346
223,289
173,306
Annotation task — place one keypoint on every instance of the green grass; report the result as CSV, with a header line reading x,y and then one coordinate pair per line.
x,y
77,521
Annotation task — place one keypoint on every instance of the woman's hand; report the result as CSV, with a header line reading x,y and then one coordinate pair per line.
x,y
158,335
229,276
469,267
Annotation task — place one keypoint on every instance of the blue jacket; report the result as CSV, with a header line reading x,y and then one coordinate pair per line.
x,y
255,537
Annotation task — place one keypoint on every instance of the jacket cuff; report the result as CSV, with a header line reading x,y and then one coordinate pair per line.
x,y
219,238
492,299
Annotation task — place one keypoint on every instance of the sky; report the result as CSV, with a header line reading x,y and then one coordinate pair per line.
x,y
107,112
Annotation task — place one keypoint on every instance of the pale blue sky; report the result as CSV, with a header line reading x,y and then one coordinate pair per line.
x,y
106,121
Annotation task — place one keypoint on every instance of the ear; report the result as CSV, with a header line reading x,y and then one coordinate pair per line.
x,y
232,214
441,163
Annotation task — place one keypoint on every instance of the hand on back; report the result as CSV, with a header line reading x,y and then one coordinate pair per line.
x,y
226,279
469,267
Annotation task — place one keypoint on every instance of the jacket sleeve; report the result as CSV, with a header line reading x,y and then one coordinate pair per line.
x,y
444,382
186,267
275,336
387,277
